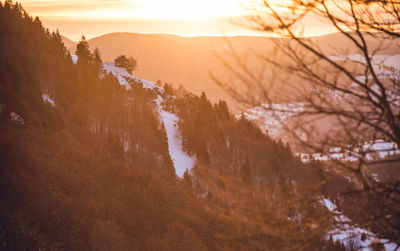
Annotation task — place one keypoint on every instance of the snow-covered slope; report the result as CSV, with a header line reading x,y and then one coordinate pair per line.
x,y
181,160
348,232
123,76
372,150
272,118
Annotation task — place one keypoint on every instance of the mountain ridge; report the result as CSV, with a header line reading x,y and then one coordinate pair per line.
x,y
189,61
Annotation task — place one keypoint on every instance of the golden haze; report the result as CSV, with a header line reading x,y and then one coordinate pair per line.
x,y
186,18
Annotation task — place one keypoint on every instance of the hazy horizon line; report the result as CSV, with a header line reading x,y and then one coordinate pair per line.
x,y
186,36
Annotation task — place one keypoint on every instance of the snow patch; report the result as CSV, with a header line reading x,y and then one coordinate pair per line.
x,y
123,75
378,149
46,98
74,58
347,231
16,118
120,73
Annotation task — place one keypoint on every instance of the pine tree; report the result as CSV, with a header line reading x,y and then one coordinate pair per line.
x,y
187,178
222,110
83,53
97,60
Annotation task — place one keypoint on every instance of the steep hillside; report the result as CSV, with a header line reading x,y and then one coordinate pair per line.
x,y
66,180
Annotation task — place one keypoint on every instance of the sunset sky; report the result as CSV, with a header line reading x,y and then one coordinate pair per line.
x,y
182,17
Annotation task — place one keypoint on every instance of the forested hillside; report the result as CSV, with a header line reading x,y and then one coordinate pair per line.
x,y
85,162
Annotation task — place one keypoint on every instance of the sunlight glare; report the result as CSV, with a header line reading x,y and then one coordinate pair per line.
x,y
189,9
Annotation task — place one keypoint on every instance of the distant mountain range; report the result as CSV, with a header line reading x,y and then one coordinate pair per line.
x,y
190,61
